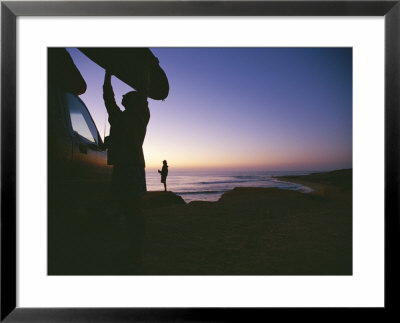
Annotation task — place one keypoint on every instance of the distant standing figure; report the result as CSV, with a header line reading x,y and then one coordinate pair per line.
x,y
164,174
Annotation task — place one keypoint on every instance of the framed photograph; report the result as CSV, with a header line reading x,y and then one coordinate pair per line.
x,y
197,161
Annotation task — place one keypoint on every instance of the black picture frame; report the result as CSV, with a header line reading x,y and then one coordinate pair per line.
x,y
10,10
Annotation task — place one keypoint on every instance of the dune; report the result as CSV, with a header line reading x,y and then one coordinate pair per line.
x,y
158,199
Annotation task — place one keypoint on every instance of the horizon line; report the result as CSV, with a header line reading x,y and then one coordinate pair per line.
x,y
219,168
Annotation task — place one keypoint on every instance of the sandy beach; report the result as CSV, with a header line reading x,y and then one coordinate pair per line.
x,y
249,231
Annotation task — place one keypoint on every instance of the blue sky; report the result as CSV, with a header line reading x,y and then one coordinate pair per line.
x,y
244,108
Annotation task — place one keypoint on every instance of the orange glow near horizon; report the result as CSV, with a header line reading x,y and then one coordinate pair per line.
x,y
242,158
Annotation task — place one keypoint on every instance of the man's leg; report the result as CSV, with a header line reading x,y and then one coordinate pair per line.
x,y
136,227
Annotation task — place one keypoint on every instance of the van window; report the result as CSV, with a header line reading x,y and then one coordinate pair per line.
x,y
81,121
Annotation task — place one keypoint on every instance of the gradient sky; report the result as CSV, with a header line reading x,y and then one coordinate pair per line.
x,y
243,108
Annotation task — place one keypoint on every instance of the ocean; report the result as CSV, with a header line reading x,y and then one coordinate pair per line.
x,y
210,185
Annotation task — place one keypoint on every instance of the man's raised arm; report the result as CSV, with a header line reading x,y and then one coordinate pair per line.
x,y
108,96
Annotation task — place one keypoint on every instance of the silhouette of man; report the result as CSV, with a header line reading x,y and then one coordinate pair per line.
x,y
125,153
164,174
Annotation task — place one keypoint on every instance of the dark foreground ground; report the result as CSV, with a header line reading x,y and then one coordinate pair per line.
x,y
249,231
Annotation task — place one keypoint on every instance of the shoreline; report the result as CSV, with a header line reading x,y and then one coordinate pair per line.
x,y
341,179
310,183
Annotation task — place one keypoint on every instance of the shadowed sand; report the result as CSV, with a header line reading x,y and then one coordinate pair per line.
x,y
249,231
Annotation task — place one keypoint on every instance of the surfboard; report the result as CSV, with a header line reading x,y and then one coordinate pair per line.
x,y
63,72
137,67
